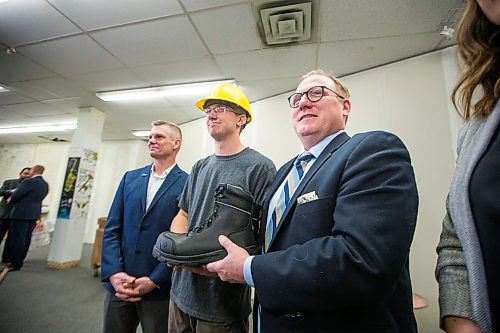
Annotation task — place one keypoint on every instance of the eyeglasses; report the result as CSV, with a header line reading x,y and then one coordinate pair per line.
x,y
314,94
221,109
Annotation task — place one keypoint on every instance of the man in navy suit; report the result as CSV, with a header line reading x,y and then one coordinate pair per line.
x,y
26,202
5,208
337,260
137,285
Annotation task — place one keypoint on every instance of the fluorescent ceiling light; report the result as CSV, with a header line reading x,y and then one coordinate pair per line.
x,y
3,1
2,89
36,128
201,88
141,133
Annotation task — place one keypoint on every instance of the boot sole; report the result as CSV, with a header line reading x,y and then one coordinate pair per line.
x,y
197,259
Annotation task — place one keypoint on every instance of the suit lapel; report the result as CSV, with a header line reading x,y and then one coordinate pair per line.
x,y
167,183
336,143
143,186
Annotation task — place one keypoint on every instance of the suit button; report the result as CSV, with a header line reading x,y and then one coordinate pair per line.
x,y
142,228
138,251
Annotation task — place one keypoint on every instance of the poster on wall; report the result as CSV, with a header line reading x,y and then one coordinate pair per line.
x,y
81,198
68,188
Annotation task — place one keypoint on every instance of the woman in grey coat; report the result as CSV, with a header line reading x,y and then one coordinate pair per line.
x,y
467,269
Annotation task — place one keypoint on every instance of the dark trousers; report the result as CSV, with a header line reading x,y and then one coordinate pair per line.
x,y
4,227
124,317
19,240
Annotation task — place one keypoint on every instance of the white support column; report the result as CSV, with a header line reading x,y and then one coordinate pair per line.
x,y
67,240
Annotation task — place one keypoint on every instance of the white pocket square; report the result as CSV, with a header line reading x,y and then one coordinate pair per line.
x,y
311,196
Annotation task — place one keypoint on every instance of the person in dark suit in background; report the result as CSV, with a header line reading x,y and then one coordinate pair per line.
x,y
26,202
337,259
137,285
5,192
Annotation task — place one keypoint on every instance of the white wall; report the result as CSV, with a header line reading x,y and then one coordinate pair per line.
x,y
409,98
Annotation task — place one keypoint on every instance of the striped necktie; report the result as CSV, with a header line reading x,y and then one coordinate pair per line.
x,y
291,183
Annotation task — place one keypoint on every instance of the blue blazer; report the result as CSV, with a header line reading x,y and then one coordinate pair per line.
x,y
131,230
340,263
27,199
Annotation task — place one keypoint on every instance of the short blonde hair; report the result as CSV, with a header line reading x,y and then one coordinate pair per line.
x,y
174,130
343,89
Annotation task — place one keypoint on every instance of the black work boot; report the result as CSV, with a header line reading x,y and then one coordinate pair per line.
x,y
235,215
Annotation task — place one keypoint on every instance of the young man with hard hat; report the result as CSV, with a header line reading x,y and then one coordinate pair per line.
x,y
200,302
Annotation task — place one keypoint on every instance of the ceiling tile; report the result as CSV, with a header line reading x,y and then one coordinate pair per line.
x,y
352,56
254,90
169,39
57,119
28,88
109,80
236,32
141,119
268,63
342,20
27,21
13,97
136,43
192,5
197,70
73,55
35,109
16,67
47,89
97,14
70,105
174,115
7,116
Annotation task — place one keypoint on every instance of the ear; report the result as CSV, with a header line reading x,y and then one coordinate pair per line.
x,y
346,107
242,119
177,144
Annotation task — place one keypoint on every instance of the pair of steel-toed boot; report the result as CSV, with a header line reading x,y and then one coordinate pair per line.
x,y
235,215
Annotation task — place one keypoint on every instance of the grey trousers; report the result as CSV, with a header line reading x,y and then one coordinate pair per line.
x,y
181,322
124,317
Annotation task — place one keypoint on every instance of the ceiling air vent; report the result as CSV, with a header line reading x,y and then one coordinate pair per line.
x,y
287,24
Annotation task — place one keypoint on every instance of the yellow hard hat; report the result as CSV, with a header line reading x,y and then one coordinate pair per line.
x,y
228,93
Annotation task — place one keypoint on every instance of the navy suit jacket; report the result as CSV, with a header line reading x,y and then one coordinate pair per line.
x,y
5,192
27,199
340,263
131,230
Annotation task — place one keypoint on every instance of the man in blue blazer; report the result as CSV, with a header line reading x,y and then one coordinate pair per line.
x,y
145,202
5,208
26,203
337,259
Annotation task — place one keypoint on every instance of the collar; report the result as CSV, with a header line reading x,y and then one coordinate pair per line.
x,y
164,174
318,148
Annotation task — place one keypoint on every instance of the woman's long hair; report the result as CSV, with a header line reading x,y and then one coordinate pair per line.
x,y
478,44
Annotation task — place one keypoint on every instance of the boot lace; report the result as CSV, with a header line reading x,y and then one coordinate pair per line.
x,y
207,223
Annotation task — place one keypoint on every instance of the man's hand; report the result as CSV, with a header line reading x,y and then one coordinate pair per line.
x,y
122,283
230,268
141,285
